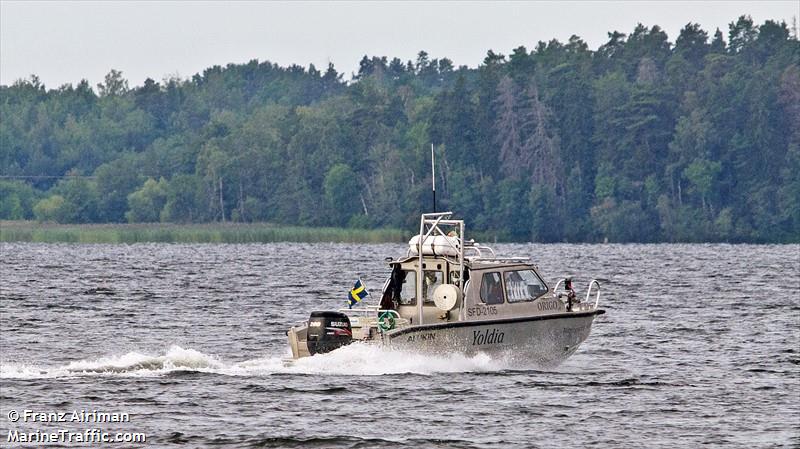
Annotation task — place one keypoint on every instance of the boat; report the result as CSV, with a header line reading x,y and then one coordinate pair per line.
x,y
451,295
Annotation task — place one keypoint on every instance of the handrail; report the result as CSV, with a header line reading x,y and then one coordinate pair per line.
x,y
506,259
555,289
435,214
480,248
589,292
370,320
592,283
367,310
391,312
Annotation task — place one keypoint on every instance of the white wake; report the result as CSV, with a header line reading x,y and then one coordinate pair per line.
x,y
355,359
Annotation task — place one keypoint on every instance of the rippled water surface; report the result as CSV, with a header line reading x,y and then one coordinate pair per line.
x,y
699,345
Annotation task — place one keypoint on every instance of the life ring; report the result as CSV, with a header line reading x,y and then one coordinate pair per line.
x,y
386,321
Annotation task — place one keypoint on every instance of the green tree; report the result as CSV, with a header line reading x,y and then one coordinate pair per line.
x,y
80,199
52,208
702,176
342,194
115,181
183,200
146,204
692,44
113,85
17,200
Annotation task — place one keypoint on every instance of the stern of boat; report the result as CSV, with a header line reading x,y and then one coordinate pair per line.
x,y
298,340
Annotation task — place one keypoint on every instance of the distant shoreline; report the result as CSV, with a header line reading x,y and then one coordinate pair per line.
x,y
35,232
122,233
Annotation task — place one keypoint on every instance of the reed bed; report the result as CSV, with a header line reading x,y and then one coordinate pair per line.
x,y
29,231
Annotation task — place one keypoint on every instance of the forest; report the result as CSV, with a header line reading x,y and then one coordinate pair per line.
x,y
641,140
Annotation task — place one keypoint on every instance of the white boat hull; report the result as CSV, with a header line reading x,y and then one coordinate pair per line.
x,y
544,340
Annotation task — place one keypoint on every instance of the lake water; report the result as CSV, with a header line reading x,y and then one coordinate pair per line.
x,y
699,345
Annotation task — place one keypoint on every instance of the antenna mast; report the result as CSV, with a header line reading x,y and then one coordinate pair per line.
x,y
433,178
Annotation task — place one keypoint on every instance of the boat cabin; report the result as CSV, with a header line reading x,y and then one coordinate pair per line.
x,y
459,280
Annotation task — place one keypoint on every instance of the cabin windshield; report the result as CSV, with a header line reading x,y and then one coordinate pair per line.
x,y
433,279
523,285
408,292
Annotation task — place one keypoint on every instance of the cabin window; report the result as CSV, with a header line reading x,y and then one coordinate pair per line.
x,y
432,279
491,288
523,285
408,291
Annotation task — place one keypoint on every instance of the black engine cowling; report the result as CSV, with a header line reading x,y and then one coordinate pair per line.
x,y
328,331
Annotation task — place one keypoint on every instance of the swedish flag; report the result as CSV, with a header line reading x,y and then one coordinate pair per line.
x,y
357,293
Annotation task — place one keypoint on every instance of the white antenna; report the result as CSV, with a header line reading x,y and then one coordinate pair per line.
x,y
433,178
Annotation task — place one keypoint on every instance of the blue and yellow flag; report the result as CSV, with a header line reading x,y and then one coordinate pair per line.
x,y
357,293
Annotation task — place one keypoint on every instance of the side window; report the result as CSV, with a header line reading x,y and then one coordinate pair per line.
x,y
408,291
523,285
491,288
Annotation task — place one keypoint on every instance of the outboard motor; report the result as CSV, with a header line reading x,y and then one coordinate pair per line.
x,y
328,331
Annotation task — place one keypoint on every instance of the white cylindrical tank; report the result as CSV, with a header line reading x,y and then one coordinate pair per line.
x,y
438,245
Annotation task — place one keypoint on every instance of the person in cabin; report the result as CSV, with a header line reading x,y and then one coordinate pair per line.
x,y
391,295
432,279
515,287
572,298
387,303
492,289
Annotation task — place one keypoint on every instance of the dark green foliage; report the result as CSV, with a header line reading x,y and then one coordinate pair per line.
x,y
114,181
72,200
145,205
17,200
639,140
342,193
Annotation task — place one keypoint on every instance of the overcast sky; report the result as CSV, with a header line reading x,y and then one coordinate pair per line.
x,y
63,42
